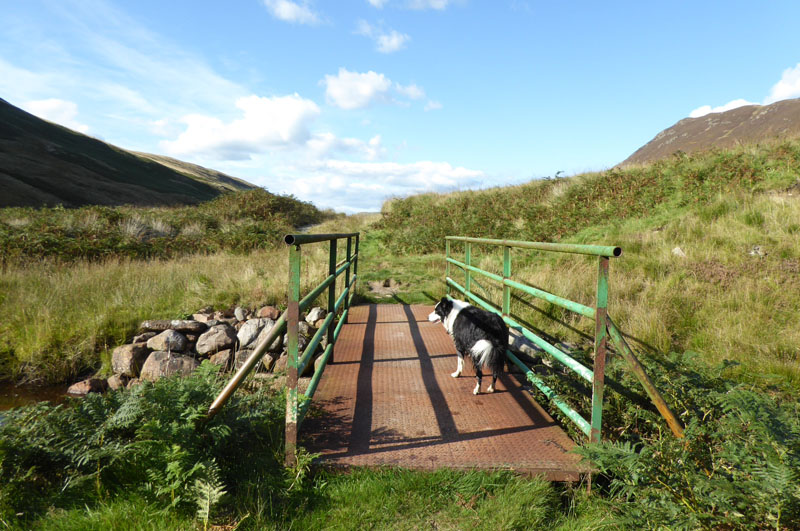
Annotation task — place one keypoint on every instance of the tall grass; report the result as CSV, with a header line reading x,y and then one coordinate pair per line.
x,y
61,321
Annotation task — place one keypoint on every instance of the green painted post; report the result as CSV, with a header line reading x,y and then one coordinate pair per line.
x,y
506,276
600,347
347,274
447,263
467,272
332,288
293,317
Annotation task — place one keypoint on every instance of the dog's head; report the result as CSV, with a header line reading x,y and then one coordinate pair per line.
x,y
441,310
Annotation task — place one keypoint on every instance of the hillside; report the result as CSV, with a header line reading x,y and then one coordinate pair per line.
x,y
44,164
729,292
743,125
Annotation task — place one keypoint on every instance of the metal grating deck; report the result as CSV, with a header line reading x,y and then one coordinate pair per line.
x,y
389,400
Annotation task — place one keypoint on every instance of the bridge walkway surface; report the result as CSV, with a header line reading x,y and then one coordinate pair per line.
x,y
389,400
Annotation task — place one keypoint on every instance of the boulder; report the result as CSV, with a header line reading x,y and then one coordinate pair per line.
x,y
90,385
240,313
155,325
302,340
315,315
185,325
217,338
202,317
117,381
250,331
168,340
128,359
142,338
223,358
160,364
304,329
265,363
280,364
269,312
133,382
276,345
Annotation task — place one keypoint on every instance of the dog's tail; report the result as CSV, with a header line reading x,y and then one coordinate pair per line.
x,y
489,354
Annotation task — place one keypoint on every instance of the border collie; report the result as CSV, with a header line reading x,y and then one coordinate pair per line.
x,y
481,335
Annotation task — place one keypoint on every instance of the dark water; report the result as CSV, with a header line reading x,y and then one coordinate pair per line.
x,y
14,396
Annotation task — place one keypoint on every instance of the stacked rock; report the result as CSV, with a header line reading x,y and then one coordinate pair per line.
x,y
227,338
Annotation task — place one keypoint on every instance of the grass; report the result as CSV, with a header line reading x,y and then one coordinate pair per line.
x,y
237,222
734,214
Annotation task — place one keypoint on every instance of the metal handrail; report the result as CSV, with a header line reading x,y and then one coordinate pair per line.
x,y
289,321
295,409
604,327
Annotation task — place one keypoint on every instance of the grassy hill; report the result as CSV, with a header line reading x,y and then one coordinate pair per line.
x,y
44,164
734,214
743,125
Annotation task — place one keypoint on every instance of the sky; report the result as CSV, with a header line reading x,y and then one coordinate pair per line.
x,y
346,103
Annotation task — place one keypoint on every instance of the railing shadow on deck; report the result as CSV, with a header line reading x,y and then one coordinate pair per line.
x,y
335,431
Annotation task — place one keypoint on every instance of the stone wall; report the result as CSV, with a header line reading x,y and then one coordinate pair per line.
x,y
227,338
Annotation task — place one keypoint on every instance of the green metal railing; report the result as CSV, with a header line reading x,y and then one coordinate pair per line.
x,y
296,407
604,327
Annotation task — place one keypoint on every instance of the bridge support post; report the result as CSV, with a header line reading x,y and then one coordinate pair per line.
x,y
293,318
332,290
467,272
447,264
347,278
506,276
600,349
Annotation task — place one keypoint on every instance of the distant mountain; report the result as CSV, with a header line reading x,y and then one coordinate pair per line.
x,y
742,125
44,164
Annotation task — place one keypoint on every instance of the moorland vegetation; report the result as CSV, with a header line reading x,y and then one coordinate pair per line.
x,y
716,325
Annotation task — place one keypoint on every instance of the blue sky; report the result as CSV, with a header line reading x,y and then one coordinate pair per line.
x,y
348,102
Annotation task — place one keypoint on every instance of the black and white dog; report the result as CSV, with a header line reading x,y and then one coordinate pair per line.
x,y
481,335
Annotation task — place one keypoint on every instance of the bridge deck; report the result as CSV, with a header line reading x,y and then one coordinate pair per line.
x,y
389,399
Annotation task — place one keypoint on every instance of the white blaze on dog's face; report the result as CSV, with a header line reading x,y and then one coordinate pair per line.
x,y
440,311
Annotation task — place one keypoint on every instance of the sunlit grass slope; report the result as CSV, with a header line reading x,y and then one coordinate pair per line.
x,y
729,292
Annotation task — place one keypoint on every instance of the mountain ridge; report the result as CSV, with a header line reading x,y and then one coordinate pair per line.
x,y
742,125
46,164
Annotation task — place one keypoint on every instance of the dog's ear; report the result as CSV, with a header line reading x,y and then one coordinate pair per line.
x,y
444,300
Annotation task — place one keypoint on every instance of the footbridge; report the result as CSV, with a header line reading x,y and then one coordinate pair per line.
x,y
387,397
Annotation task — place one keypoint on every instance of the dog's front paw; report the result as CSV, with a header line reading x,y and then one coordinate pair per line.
x,y
477,390
456,374
490,389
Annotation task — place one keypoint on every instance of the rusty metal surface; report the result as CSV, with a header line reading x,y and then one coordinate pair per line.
x,y
389,400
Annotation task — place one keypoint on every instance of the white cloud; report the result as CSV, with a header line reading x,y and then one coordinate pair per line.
x,y
267,123
353,90
385,41
323,145
392,41
428,4
432,106
292,11
707,109
362,186
411,91
58,111
787,87
377,3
